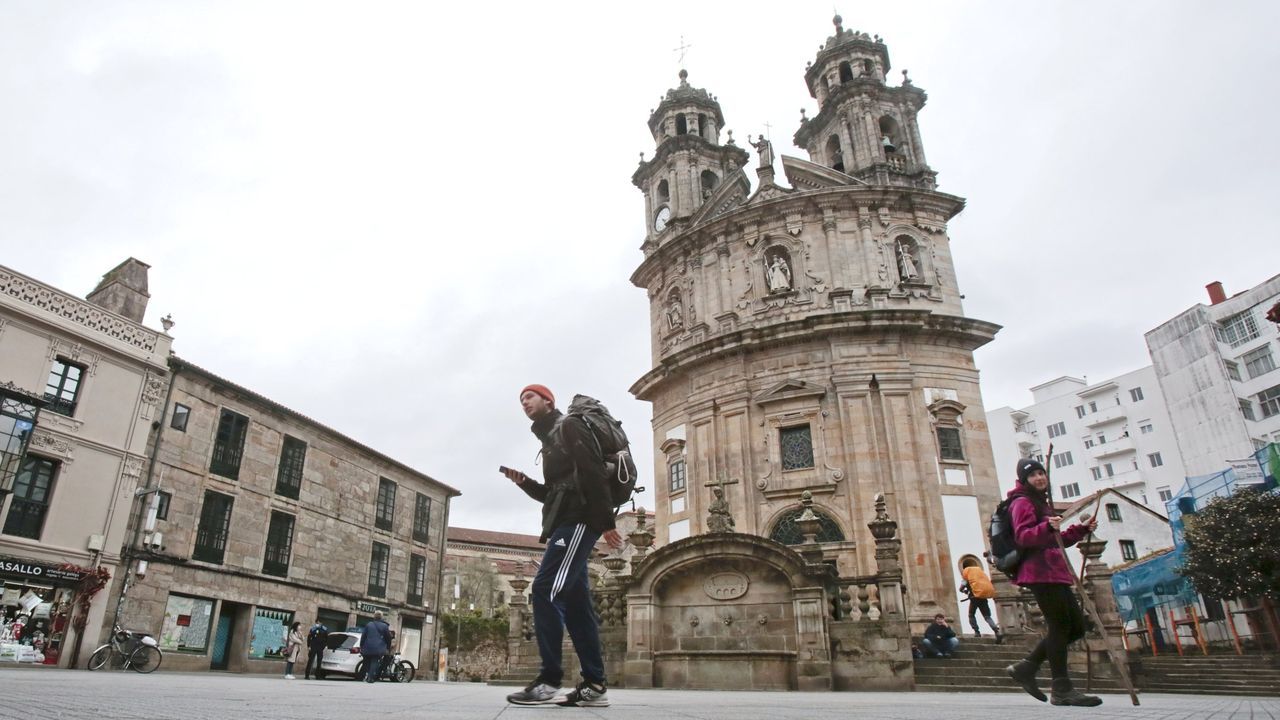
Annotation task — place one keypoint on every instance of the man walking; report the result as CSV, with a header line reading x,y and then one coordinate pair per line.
x,y
576,511
375,641
317,636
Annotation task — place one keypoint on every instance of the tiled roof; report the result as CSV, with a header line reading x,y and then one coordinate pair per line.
x,y
490,537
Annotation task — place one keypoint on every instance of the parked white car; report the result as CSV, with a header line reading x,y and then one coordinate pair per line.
x,y
342,657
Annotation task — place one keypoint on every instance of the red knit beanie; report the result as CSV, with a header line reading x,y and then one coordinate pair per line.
x,y
541,390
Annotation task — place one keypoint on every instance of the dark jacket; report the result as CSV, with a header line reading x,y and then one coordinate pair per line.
x,y
574,471
1042,561
375,638
937,633
316,637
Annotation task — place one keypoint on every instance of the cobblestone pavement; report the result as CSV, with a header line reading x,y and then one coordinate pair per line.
x,y
51,693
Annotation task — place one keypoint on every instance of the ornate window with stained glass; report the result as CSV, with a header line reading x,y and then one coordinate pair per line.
x,y
788,533
797,447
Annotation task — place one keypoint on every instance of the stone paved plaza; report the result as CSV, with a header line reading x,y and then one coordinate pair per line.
x,y
37,693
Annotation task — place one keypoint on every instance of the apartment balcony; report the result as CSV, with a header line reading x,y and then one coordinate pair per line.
x,y
1026,441
1120,481
1106,415
1119,446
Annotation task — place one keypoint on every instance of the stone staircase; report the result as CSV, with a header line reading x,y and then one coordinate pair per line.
x,y
978,666
1252,675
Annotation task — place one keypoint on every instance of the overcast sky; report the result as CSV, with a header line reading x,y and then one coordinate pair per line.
x,y
392,216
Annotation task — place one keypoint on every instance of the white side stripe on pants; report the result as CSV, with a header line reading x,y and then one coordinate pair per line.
x,y
563,573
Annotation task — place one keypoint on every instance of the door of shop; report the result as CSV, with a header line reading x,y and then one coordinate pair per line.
x,y
222,638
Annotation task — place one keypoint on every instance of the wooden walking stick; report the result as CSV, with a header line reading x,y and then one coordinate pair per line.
x,y
1118,661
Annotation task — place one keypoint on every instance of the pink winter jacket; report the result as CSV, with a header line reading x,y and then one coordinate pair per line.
x,y
1042,561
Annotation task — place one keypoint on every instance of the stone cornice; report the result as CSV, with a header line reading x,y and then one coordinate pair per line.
x,y
956,331
687,142
848,94
42,301
809,202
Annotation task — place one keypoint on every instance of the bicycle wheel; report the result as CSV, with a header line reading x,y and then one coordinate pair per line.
x,y
145,659
407,670
100,657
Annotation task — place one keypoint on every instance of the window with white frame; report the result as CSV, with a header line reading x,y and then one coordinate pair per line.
x,y
1246,409
1062,459
1269,401
1071,490
1156,460
1080,411
1128,550
1233,370
1147,428
1111,471
1238,329
1097,473
1258,362
1093,407
1135,394
1088,443
1056,429
1113,512
1165,494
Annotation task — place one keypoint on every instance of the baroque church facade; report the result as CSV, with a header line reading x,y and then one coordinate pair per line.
x,y
812,337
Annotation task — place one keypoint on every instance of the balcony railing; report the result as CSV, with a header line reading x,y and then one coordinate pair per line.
x,y
1106,415
1114,447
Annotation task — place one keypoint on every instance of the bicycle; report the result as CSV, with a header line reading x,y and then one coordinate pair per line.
x,y
393,669
128,650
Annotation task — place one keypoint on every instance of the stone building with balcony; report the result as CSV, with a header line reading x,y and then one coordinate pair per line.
x,y
81,382
253,516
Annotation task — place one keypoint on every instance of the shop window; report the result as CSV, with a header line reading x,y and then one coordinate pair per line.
x,y
186,624
270,633
181,414
32,490
1128,550
417,579
422,519
379,558
162,504
279,545
211,535
676,472
1113,512
228,444
385,510
797,447
788,533
63,387
293,457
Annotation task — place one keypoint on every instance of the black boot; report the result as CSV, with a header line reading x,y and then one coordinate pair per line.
x,y
1065,694
1023,672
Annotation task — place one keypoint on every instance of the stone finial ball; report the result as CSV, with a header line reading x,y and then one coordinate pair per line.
x,y
837,21
684,74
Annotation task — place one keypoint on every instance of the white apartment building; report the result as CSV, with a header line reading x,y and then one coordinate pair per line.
x,y
1109,435
1216,365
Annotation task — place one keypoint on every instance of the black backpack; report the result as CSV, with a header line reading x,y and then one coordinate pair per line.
x,y
1005,553
620,469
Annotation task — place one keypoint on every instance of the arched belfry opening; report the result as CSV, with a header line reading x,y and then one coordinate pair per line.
x,y
682,126
890,134
709,181
834,154
846,72
664,192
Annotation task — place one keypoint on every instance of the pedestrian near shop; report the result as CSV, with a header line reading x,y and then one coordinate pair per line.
x,y
317,636
292,649
1044,571
375,640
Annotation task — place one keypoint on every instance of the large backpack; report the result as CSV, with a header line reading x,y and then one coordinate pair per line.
x,y
620,469
1005,553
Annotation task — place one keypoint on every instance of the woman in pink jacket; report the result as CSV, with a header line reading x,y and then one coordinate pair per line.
x,y
1044,571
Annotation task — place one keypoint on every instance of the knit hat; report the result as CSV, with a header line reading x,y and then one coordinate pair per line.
x,y
541,390
1026,466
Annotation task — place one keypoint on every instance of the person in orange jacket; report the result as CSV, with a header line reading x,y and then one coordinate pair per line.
x,y
977,586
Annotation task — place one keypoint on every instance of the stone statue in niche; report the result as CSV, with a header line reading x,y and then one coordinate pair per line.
x,y
718,517
777,273
675,317
908,267
764,148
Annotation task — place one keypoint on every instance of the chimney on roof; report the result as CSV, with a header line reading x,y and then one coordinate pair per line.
x,y
123,290
1216,293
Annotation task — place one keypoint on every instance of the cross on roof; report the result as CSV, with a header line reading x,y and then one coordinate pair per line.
x,y
684,47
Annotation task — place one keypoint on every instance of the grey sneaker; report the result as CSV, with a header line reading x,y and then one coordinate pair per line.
x,y
587,694
536,693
